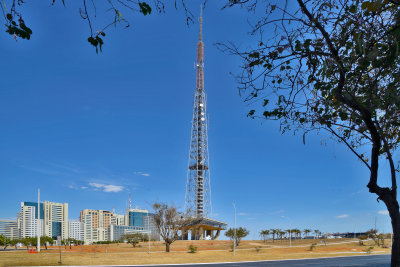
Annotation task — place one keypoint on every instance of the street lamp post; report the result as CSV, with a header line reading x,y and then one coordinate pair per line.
x,y
148,229
234,231
38,222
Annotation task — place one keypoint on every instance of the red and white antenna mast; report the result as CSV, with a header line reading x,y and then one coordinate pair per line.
x,y
198,189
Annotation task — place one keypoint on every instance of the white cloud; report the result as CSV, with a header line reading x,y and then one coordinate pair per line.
x,y
142,173
96,185
242,214
343,216
84,187
113,188
383,212
107,187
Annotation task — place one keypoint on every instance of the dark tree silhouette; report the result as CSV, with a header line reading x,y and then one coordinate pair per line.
x,y
17,27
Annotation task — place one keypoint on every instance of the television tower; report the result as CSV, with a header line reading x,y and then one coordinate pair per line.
x,y
198,190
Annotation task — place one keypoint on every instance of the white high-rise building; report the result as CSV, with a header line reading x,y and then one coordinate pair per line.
x,y
95,225
76,230
118,219
28,219
53,219
56,219
9,229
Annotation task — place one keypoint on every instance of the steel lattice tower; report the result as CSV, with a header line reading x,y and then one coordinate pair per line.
x,y
198,190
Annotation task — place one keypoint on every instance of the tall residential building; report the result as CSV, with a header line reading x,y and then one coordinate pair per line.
x,y
53,219
118,219
28,219
95,225
9,229
56,219
75,230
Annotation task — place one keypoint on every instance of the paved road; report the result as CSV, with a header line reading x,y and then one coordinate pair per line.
x,y
356,261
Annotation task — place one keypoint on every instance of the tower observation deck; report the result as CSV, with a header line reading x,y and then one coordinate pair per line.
x,y
198,188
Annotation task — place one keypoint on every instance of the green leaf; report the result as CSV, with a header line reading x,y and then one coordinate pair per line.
x,y
144,8
251,113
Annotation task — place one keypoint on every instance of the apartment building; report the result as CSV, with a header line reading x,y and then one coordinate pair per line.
x,y
9,228
95,225
27,221
53,219
56,219
75,230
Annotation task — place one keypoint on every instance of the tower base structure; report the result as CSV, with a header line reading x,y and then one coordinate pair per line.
x,y
203,229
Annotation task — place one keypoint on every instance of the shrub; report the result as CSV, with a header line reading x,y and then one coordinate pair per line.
x,y
369,250
313,246
192,249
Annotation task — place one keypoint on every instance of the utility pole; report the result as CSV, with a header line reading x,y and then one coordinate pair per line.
x,y
38,222
148,229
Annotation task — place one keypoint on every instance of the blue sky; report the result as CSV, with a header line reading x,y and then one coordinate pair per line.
x,y
88,129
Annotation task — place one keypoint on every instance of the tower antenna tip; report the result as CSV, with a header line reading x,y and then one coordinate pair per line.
x,y
201,23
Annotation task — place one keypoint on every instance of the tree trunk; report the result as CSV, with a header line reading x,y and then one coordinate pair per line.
x,y
167,245
395,216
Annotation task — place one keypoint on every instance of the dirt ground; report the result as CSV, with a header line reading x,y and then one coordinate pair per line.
x,y
207,251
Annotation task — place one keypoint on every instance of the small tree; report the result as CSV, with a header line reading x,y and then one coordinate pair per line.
x,y
362,238
14,242
134,238
32,241
372,233
170,222
4,241
44,240
26,242
240,233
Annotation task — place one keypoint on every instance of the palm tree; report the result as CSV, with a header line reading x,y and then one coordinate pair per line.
x,y
281,234
289,232
274,232
306,232
264,233
298,233
317,233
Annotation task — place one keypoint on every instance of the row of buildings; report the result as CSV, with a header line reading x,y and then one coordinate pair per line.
x,y
92,225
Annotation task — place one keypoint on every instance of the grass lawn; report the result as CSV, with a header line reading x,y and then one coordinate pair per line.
x,y
208,251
